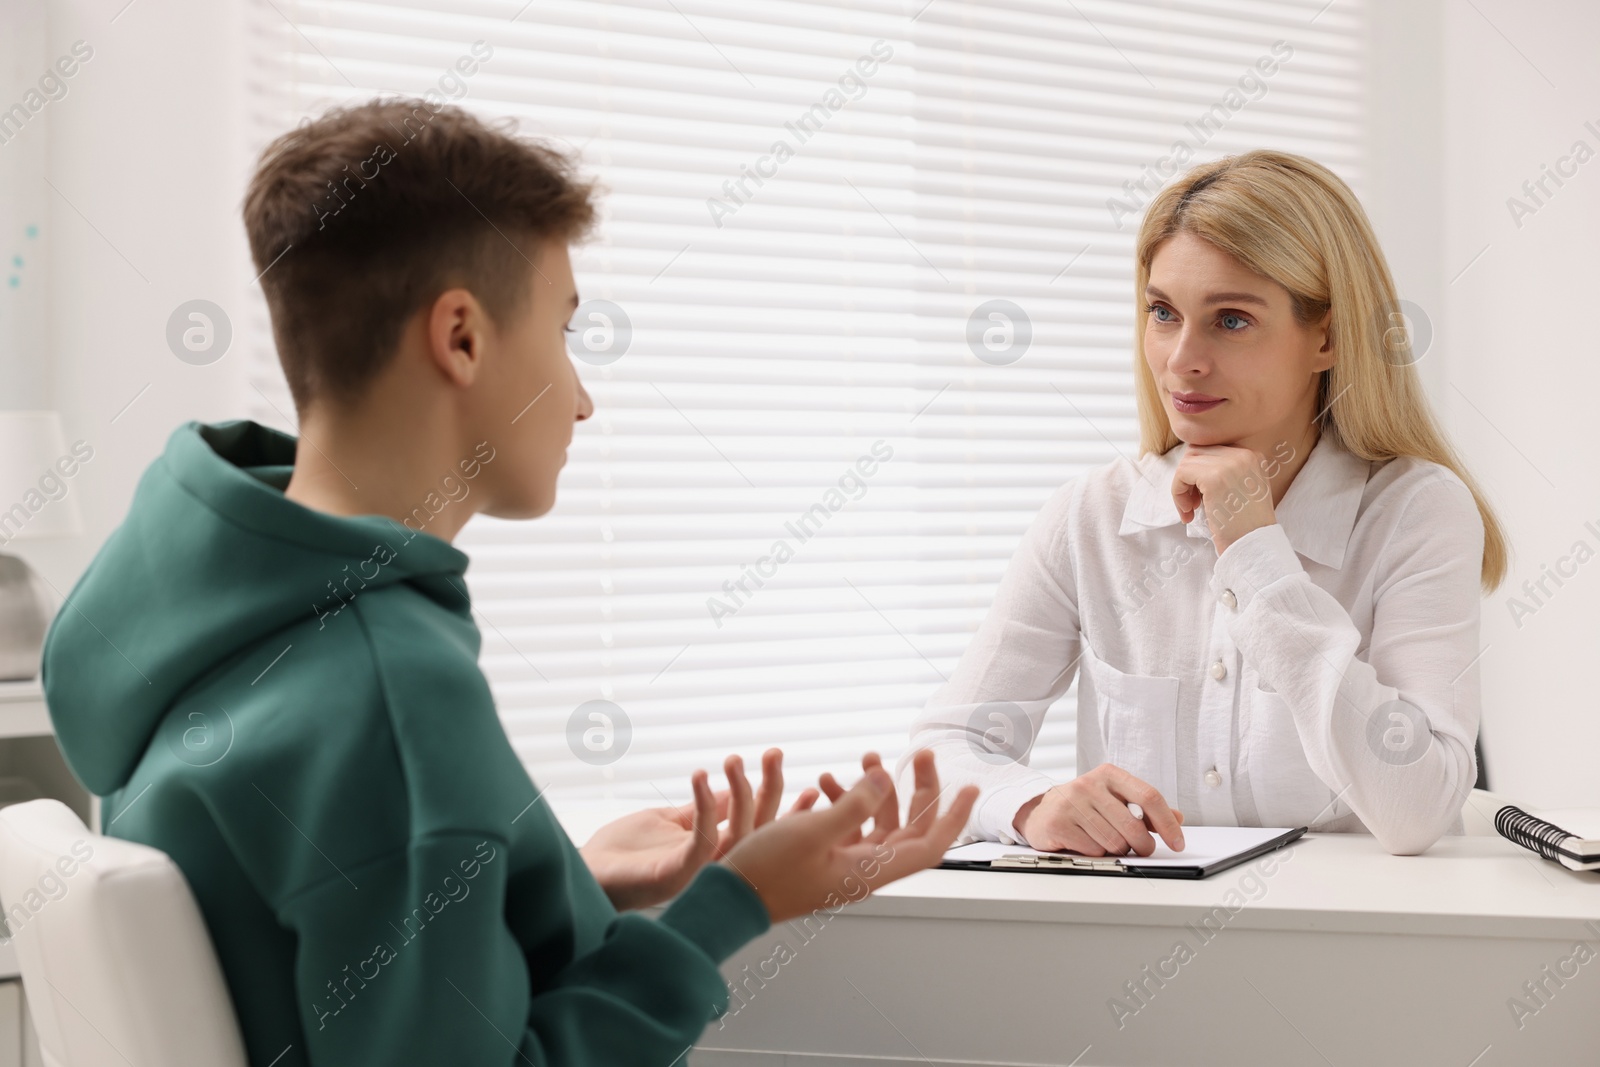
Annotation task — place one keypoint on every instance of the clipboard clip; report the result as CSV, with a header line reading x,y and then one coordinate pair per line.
x,y
1026,861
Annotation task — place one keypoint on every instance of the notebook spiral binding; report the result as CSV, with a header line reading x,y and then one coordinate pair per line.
x,y
1530,832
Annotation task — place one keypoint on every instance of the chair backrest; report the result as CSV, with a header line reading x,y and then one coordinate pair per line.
x,y
116,962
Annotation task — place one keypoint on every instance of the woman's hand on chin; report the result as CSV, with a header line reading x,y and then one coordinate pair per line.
x,y
1230,481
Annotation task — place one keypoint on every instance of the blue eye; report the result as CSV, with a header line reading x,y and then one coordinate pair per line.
x,y
1239,319
1156,310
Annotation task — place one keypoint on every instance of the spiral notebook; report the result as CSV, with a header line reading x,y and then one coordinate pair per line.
x,y
1571,838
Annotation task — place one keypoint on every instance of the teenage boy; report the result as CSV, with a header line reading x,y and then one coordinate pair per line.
x,y
270,669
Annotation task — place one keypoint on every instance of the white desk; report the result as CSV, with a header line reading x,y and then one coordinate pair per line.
x,y
1344,955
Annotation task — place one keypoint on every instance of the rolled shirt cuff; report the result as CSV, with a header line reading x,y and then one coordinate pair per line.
x,y
1001,804
1252,563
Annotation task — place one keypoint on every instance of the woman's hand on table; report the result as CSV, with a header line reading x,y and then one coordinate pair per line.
x,y
1090,815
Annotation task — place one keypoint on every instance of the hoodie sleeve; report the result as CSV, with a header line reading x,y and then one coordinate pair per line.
x,y
417,958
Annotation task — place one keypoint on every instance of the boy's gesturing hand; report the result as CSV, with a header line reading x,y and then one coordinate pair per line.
x,y
817,859
649,856
886,819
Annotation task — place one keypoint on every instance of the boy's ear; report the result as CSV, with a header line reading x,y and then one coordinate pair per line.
x,y
457,328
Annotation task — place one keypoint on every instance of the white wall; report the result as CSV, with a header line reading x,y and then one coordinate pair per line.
x,y
1405,156
146,147
1519,340
1461,115
24,265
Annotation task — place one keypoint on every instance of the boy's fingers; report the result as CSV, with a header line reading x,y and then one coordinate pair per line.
x,y
886,819
741,813
719,800
833,790
915,852
925,795
925,817
830,786
771,794
856,805
704,835
805,801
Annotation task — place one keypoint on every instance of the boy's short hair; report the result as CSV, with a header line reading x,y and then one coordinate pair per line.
x,y
361,217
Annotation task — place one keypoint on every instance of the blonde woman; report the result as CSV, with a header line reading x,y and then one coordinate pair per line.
x,y
1272,613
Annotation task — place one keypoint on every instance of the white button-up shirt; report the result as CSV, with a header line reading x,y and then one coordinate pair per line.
x,y
1321,672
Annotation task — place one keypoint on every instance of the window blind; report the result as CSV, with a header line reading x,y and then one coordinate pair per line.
x,y
860,299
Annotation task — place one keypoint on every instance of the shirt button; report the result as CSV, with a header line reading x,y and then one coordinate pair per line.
x,y
1229,599
1219,670
1213,778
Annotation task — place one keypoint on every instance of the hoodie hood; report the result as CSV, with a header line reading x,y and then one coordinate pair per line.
x,y
210,562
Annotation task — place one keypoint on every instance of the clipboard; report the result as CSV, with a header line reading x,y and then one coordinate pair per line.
x,y
1207,850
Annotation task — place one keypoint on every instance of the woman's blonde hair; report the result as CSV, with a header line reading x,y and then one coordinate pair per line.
x,y
1294,221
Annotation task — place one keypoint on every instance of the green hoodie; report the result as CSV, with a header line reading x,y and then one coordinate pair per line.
x,y
288,703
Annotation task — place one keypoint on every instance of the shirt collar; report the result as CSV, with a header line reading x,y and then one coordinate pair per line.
x,y
1317,513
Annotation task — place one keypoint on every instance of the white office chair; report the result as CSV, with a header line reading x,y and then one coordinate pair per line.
x,y
116,962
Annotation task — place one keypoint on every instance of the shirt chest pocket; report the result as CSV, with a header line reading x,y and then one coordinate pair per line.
x,y
1138,718
1286,790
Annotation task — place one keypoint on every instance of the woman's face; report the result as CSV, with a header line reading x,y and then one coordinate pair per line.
x,y
1230,362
